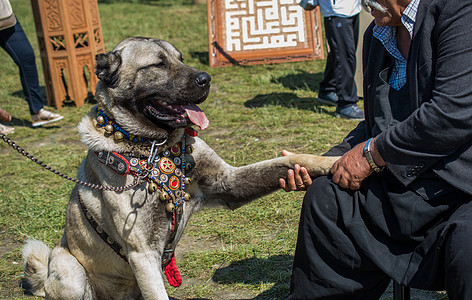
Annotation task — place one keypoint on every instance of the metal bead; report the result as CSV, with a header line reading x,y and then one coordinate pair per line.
x,y
170,207
109,129
118,135
164,196
187,196
188,166
100,120
189,149
152,187
187,180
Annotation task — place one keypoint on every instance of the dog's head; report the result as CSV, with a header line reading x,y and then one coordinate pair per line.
x,y
147,88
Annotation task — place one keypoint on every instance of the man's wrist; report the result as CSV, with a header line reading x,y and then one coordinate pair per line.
x,y
368,153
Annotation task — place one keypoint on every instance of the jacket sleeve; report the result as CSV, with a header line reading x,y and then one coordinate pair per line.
x,y
356,136
442,123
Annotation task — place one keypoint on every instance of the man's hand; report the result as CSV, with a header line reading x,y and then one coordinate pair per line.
x,y
348,172
352,168
297,179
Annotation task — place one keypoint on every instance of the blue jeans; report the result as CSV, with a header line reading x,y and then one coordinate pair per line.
x,y
15,42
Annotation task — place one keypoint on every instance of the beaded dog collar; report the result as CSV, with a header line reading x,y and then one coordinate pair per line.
x,y
164,171
111,127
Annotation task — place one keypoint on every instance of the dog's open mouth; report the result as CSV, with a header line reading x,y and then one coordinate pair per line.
x,y
177,115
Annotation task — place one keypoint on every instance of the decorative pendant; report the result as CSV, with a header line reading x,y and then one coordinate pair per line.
x,y
152,187
109,128
164,171
170,207
100,120
186,196
118,135
174,183
164,196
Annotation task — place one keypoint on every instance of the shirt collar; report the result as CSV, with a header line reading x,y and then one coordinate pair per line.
x,y
408,18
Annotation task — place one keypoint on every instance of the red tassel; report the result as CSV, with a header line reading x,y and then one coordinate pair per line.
x,y
191,132
172,273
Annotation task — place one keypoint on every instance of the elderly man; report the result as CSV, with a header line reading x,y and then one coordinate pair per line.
x,y
398,203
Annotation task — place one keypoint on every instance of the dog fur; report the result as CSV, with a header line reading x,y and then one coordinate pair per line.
x,y
139,74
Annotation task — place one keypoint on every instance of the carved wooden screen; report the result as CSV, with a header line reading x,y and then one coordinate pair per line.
x,y
69,37
247,32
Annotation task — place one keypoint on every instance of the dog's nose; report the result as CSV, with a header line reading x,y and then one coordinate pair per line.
x,y
203,79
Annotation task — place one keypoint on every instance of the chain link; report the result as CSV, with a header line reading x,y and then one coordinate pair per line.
x,y
22,151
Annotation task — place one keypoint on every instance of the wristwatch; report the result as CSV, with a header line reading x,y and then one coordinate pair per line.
x,y
370,159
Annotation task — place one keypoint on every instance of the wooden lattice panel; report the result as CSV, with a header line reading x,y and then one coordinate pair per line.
x,y
69,37
258,31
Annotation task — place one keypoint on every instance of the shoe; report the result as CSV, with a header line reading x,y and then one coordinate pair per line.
x,y
351,112
4,129
328,98
45,117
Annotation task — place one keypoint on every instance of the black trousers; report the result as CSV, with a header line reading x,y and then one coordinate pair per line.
x,y
351,243
342,35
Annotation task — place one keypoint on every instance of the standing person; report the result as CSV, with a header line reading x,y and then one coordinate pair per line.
x,y
14,41
338,88
399,202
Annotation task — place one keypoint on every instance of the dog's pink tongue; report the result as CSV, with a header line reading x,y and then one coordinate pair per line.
x,y
196,116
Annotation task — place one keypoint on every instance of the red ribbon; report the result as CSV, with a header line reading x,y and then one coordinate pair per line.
x,y
191,132
172,273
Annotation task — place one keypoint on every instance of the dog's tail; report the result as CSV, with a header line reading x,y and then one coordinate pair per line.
x,y
35,260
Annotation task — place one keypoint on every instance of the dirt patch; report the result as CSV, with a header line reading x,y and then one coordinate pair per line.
x,y
188,244
9,288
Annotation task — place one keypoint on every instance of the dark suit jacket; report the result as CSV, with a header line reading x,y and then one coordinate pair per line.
x,y
436,134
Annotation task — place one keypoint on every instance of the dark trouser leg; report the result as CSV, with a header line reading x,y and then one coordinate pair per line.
x,y
329,80
458,257
449,266
348,240
327,263
15,42
342,35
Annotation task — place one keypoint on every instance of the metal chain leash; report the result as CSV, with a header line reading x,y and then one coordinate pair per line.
x,y
22,151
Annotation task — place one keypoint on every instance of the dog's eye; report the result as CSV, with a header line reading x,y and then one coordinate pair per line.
x,y
161,64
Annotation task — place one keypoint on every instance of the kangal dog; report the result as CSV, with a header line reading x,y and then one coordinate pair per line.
x,y
119,244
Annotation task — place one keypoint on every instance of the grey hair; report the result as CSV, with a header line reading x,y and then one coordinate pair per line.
x,y
368,4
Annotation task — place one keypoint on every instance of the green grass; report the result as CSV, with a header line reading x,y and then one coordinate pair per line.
x,y
255,112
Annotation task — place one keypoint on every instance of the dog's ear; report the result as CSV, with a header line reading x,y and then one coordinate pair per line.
x,y
107,67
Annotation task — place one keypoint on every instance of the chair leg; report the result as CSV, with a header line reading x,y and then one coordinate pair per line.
x,y
400,292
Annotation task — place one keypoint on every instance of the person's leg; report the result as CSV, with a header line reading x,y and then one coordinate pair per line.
x,y
328,264
328,84
15,42
343,43
344,33
458,261
449,265
327,93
